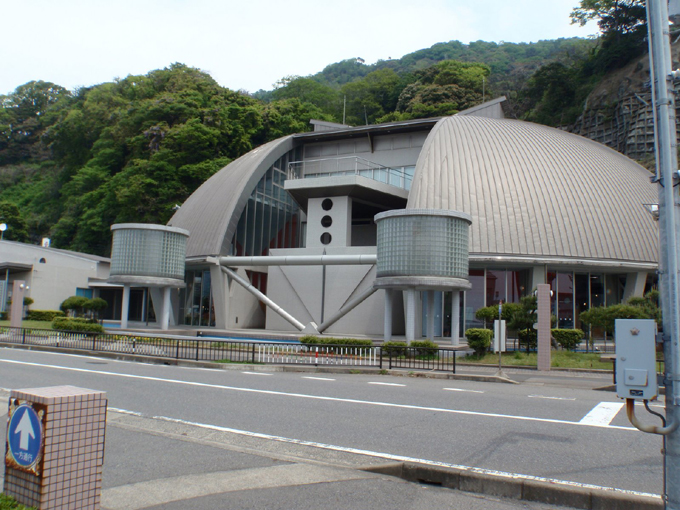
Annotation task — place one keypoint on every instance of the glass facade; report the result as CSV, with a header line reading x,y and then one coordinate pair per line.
x,y
196,303
271,218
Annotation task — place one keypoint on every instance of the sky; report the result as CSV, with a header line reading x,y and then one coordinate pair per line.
x,y
249,44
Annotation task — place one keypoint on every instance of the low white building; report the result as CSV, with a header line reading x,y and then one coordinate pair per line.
x,y
52,275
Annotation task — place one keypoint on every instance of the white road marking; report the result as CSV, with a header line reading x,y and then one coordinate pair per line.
x,y
386,384
466,391
551,398
602,414
317,397
318,378
401,458
255,373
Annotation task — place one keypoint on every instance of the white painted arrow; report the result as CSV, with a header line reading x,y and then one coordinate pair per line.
x,y
25,429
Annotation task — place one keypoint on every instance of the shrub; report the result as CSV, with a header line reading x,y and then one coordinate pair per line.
x,y
424,349
44,315
479,339
74,303
394,349
351,342
3,316
95,306
76,324
568,338
490,313
528,338
335,344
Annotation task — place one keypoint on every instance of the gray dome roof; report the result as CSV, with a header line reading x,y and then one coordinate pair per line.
x,y
212,212
536,192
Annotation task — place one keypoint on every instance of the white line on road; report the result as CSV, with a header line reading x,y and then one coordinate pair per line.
x,y
318,378
466,391
255,373
386,384
551,398
401,458
315,397
602,414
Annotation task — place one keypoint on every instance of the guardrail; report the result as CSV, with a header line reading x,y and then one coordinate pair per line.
x,y
236,351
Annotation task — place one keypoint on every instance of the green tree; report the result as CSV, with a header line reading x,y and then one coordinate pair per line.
x,y
10,214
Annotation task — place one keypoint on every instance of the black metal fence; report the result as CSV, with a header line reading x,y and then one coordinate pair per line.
x,y
236,351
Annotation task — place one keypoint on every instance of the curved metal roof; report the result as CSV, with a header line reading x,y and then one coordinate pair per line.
x,y
212,212
536,192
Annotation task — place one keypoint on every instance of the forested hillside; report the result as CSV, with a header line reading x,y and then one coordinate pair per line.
x,y
74,162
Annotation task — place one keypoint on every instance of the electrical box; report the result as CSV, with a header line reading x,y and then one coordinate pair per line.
x,y
636,359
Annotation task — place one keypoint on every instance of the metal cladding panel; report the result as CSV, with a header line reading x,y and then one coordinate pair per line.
x,y
537,191
212,212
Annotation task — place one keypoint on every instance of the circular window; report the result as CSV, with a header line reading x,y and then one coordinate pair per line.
x,y
326,221
327,204
326,238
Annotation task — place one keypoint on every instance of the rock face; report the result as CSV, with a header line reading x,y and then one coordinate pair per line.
x,y
618,112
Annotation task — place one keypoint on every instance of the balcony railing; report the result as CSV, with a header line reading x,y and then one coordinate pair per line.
x,y
400,177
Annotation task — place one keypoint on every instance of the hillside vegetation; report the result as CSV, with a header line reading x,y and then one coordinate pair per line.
x,y
74,162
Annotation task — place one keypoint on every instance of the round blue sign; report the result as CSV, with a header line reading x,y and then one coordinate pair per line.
x,y
25,435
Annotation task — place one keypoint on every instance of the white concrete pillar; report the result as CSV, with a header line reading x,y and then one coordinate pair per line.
x,y
455,318
165,314
538,276
389,300
410,315
635,285
430,315
543,312
17,309
125,310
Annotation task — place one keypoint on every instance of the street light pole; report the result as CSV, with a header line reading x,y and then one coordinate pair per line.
x,y
669,222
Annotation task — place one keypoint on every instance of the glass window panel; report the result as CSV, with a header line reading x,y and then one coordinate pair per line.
x,y
551,279
495,287
581,297
474,299
204,318
565,300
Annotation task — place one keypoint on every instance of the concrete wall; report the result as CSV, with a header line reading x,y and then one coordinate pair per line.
x,y
56,278
298,289
340,214
387,150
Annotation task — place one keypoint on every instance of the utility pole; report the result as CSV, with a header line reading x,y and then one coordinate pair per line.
x,y
669,222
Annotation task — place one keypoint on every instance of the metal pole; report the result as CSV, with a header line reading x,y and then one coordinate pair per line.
x,y
669,220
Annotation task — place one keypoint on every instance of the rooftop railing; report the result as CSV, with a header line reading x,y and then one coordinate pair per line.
x,y
351,165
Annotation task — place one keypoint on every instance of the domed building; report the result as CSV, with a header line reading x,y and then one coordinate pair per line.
x,y
285,236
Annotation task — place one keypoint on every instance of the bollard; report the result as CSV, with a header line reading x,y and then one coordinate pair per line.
x,y
55,447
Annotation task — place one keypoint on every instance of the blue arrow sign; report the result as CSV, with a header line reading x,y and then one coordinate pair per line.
x,y
24,435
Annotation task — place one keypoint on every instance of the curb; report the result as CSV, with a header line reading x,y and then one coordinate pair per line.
x,y
524,489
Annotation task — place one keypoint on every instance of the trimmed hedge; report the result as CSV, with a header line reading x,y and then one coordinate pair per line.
x,y
568,338
394,349
424,348
479,339
351,342
76,324
44,315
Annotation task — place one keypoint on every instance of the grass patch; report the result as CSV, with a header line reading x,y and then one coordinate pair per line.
x,y
9,503
30,324
561,359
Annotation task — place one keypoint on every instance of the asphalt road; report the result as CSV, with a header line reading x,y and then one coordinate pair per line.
x,y
563,433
